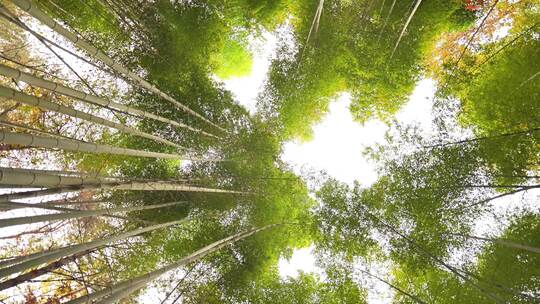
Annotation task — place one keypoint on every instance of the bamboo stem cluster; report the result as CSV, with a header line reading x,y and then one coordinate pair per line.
x,y
33,10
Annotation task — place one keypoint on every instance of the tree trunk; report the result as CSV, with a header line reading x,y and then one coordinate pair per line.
x,y
425,252
526,188
51,106
136,186
82,146
418,2
501,242
167,186
37,193
28,257
123,289
464,141
502,48
76,214
476,31
74,249
23,177
386,20
32,9
56,87
413,297
14,205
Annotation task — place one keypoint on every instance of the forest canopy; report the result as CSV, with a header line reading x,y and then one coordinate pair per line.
x,y
133,169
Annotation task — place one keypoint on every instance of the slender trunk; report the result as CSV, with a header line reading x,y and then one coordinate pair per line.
x,y
123,289
22,177
76,214
502,48
501,242
418,2
499,286
413,297
70,202
14,205
123,13
386,20
476,31
82,146
184,277
74,249
166,186
6,14
519,176
503,195
12,18
11,206
40,271
57,87
382,8
488,186
28,257
136,186
469,140
425,252
32,9
68,173
51,106
12,108
527,80
38,193
68,178
314,24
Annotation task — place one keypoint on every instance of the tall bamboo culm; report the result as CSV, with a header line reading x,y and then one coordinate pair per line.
x,y
31,140
135,186
76,214
25,177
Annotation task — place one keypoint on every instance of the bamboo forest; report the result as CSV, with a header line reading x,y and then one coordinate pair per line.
x,y
270,151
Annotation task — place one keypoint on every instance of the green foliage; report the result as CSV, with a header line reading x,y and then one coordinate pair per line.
x,y
92,18
498,89
340,224
507,274
234,60
409,219
306,289
504,99
351,51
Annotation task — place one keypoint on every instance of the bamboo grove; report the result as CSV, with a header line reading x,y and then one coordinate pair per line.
x,y
130,173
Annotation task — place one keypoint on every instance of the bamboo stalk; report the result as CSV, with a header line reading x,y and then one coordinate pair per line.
x,y
22,177
82,146
76,214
